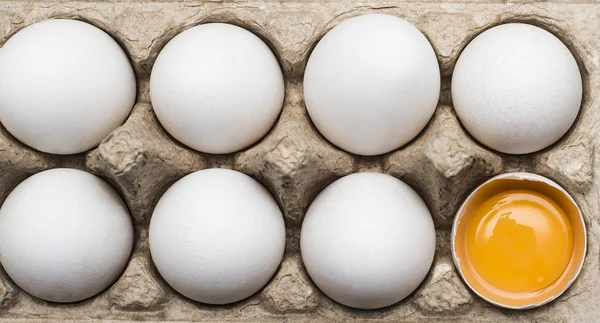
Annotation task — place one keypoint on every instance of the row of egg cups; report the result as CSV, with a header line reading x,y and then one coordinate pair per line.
x,y
371,85
217,236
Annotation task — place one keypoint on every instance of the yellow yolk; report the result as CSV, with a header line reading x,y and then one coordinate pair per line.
x,y
519,241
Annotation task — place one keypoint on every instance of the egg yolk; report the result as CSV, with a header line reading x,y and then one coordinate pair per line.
x,y
519,241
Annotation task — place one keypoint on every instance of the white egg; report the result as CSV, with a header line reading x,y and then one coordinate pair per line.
x,y
65,235
368,240
372,84
64,86
217,236
516,88
217,88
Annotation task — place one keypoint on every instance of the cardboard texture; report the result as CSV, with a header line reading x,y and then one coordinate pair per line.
x,y
295,162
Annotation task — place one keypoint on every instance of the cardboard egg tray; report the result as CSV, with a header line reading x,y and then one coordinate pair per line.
x,y
295,162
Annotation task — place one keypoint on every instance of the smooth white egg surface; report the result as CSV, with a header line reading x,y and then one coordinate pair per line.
x,y
65,235
217,88
217,236
368,240
371,84
64,86
516,88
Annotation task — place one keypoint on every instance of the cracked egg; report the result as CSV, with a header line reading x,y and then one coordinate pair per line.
x,y
519,240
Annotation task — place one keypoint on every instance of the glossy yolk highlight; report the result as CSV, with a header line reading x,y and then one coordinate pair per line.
x,y
519,241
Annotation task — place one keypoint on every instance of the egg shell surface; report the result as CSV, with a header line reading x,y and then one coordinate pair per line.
x,y
517,88
371,84
64,86
217,88
368,240
217,236
65,235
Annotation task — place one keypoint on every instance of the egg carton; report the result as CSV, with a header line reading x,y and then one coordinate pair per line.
x,y
295,162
